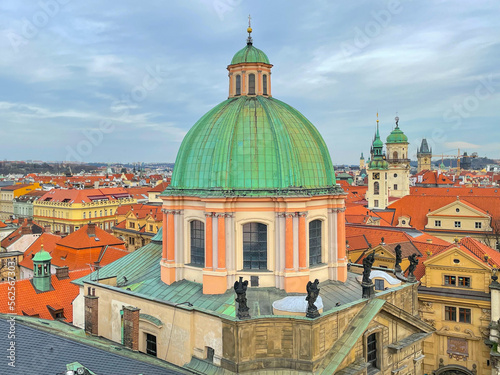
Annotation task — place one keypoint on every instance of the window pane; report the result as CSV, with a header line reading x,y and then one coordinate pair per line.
x,y
238,85
314,242
464,315
450,313
264,83
255,246
198,243
251,84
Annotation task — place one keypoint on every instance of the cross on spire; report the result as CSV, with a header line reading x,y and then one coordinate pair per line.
x,y
249,30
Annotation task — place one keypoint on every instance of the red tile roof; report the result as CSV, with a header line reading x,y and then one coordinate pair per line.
x,y
160,187
78,250
418,206
32,303
82,239
481,251
433,178
84,195
17,233
14,187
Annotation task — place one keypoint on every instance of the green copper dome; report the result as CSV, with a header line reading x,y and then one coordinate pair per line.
x,y
378,164
249,54
397,136
42,256
252,146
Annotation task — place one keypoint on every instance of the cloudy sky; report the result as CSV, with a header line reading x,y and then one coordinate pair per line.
x,y
122,81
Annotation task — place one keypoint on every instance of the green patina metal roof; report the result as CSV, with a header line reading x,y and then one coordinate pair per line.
x,y
378,161
249,54
397,136
42,256
378,164
255,146
346,342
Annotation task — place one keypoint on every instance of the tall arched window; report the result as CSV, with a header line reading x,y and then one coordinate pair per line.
x,y
251,84
314,242
376,188
255,246
238,85
197,243
264,84
395,155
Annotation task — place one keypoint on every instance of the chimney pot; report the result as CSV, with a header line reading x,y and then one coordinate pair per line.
x,y
91,229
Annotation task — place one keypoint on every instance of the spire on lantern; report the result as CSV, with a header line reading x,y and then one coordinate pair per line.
x,y
249,30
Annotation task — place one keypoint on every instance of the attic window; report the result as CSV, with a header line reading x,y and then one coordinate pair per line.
x,y
458,210
66,200
456,260
47,199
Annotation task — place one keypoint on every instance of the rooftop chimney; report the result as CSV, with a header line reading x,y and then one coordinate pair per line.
x,y
429,240
62,273
25,230
91,229
29,221
47,229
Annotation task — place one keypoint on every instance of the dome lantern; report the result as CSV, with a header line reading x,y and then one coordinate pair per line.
x,y
249,71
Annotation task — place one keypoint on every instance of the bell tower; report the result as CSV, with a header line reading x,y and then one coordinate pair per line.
x,y
41,270
377,194
424,155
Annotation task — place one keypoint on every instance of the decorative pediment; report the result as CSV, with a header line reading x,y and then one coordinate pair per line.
x,y
459,208
449,258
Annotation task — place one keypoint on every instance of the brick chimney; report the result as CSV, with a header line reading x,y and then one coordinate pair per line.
x,y
91,312
29,221
25,230
62,273
91,229
131,327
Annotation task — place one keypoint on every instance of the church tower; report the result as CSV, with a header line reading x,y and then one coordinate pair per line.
x,y
41,271
377,194
361,162
424,155
399,163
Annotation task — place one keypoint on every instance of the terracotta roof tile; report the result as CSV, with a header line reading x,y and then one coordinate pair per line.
x,y
32,303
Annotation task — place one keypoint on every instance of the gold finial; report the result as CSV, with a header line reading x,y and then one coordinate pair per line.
x,y
377,117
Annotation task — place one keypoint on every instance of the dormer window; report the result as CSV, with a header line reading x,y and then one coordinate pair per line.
x,y
251,84
238,85
264,84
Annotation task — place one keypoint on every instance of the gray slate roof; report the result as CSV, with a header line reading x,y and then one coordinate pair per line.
x,y
41,352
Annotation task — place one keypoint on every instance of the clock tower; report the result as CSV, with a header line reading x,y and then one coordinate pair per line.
x,y
378,193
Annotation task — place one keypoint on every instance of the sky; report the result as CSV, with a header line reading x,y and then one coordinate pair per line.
x,y
123,81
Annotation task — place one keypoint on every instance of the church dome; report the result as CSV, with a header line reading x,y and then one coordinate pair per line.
x,y
378,164
250,54
397,136
256,146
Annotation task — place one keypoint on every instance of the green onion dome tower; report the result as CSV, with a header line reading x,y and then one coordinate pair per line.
x,y
252,144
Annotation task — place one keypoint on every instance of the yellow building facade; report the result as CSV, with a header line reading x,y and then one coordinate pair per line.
x,y
454,297
67,213
459,219
7,195
138,226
